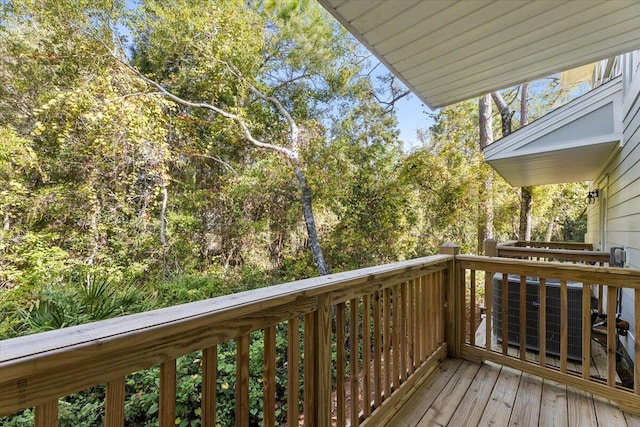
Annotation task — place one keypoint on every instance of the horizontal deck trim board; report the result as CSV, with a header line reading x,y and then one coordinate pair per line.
x,y
624,399
625,277
401,395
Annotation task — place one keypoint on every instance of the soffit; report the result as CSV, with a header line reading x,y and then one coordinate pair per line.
x,y
449,51
572,143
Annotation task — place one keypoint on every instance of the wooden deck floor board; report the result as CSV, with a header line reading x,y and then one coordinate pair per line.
x,y
468,394
476,398
526,409
580,409
500,404
411,413
451,396
553,405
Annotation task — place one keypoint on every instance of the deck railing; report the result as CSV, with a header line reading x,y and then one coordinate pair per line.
x,y
576,253
548,245
516,294
386,323
358,342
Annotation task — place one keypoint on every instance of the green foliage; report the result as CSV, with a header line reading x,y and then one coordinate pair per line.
x,y
87,150
82,297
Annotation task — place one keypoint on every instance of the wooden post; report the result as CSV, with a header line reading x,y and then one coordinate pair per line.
x,y
491,247
454,302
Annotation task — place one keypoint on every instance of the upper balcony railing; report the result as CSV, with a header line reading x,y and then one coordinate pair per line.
x,y
356,343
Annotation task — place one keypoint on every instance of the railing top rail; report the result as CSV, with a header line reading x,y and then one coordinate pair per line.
x,y
216,310
548,244
568,254
625,277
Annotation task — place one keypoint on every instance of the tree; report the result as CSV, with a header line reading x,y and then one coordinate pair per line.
x,y
199,57
486,216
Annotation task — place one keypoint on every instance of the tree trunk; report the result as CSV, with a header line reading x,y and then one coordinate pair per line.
x,y
524,104
552,222
310,222
505,113
526,207
163,214
485,210
526,195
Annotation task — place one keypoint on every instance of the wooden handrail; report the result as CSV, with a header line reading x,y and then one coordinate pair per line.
x,y
549,245
38,369
584,256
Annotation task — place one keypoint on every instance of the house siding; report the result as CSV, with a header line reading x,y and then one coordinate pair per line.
x,y
622,180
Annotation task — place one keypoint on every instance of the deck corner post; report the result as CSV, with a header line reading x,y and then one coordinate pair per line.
x,y
454,302
491,247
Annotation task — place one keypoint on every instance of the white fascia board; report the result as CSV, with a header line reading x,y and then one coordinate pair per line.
x,y
578,143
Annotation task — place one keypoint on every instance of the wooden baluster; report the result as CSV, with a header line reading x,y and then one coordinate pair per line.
x,y
431,299
377,350
488,311
542,322
46,414
386,341
403,331
114,403
396,337
209,386
421,323
353,362
269,378
340,365
523,317
167,409
435,312
612,299
439,287
505,314
472,308
413,356
636,364
322,361
242,381
424,280
366,355
309,373
600,298
293,365
564,326
586,330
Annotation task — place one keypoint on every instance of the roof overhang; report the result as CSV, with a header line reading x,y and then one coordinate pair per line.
x,y
448,51
572,143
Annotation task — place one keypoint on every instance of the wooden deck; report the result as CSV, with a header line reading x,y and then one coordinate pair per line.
x,y
462,393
